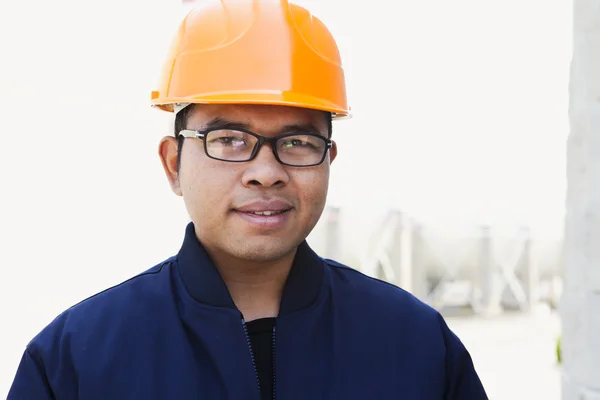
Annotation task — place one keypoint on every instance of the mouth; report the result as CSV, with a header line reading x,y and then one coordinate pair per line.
x,y
266,213
265,220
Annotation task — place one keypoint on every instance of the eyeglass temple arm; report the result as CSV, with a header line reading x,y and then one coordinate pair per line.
x,y
189,133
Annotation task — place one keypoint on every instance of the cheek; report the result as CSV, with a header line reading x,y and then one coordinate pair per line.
x,y
312,188
206,187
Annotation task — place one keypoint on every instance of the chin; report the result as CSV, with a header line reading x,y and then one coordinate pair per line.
x,y
266,248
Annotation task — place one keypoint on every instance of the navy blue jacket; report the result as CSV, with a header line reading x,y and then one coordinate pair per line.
x,y
173,332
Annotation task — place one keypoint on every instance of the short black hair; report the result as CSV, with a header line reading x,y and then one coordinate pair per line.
x,y
181,120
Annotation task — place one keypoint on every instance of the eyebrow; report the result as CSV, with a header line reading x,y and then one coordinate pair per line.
x,y
222,123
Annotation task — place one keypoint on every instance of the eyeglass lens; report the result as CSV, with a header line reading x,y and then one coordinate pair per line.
x,y
233,145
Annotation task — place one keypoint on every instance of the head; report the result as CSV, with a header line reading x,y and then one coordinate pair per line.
x,y
222,198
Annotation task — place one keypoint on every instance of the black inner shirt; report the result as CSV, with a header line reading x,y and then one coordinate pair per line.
x,y
261,338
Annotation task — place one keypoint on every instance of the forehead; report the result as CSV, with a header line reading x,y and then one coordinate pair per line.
x,y
264,118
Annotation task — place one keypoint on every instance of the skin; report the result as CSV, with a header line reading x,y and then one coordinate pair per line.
x,y
253,262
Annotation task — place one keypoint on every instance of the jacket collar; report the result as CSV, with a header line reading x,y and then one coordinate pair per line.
x,y
204,283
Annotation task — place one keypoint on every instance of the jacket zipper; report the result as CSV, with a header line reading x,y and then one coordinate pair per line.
x,y
273,354
254,361
251,354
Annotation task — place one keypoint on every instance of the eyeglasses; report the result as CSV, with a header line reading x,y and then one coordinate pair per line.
x,y
238,145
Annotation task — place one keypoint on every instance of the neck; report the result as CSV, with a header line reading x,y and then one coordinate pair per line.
x,y
255,287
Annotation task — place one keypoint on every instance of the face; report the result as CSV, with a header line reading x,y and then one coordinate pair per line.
x,y
259,210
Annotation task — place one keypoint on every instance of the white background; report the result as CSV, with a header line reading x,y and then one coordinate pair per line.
x,y
460,116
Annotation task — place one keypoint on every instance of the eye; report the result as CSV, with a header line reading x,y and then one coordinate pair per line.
x,y
229,140
304,142
293,143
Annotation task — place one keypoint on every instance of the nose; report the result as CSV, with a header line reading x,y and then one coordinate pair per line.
x,y
264,170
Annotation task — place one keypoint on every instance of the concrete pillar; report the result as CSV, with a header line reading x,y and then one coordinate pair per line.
x,y
580,302
332,233
530,270
490,298
400,251
420,283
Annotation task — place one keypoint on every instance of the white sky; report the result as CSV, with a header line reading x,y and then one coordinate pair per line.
x,y
460,116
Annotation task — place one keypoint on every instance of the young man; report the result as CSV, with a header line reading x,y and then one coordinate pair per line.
x,y
246,310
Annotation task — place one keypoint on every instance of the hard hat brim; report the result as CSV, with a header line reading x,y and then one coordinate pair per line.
x,y
289,99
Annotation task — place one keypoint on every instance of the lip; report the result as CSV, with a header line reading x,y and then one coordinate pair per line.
x,y
265,222
274,205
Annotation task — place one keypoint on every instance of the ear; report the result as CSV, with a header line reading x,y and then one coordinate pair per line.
x,y
333,151
167,150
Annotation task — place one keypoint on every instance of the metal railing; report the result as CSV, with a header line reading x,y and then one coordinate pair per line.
x,y
480,268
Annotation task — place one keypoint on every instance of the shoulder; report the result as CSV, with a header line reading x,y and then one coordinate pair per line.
x,y
388,307
405,323
104,313
377,294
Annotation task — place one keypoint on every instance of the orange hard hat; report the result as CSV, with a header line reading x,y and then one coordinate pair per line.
x,y
253,52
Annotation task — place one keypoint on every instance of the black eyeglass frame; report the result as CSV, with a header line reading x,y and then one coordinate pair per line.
x,y
195,134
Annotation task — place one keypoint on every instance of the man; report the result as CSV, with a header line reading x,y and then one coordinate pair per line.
x,y
246,310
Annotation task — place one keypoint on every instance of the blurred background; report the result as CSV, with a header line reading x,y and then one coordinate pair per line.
x,y
450,179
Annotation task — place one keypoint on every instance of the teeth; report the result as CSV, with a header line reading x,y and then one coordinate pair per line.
x,y
267,213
